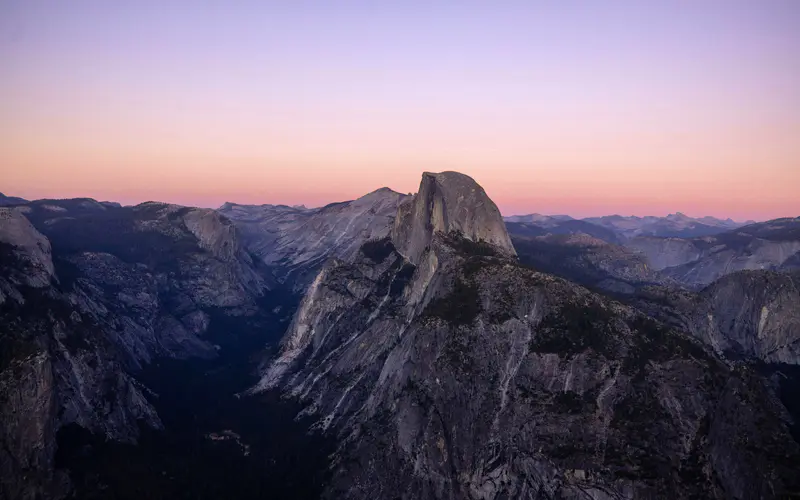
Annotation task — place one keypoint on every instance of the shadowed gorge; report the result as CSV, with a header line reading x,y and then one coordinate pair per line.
x,y
129,344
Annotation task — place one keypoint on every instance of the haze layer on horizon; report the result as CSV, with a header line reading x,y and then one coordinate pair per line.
x,y
584,108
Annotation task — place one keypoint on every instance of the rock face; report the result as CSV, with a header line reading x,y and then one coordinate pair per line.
x,y
35,268
448,370
89,294
586,260
663,253
755,313
699,261
294,242
751,314
57,367
448,202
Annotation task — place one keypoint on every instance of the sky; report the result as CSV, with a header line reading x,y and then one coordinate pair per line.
x,y
571,106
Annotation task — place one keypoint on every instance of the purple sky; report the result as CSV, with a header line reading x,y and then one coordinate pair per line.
x,y
580,107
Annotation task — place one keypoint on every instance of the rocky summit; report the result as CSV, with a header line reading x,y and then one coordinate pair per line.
x,y
448,202
447,369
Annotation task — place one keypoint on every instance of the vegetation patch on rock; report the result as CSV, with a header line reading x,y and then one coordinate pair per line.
x,y
377,250
574,328
460,307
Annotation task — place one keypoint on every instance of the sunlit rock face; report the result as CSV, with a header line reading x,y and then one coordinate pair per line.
x,y
448,202
295,242
449,370
29,246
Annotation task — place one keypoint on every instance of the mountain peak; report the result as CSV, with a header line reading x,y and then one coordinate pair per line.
x,y
385,190
535,217
678,216
448,201
383,193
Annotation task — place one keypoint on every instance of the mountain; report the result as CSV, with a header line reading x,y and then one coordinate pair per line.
x,y
556,227
161,313
448,202
746,315
752,314
57,367
582,252
447,370
700,261
726,223
586,260
10,200
294,242
676,225
429,352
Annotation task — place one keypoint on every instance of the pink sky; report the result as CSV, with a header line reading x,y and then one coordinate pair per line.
x,y
577,110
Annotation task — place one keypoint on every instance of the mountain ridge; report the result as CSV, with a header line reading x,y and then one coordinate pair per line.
x,y
296,243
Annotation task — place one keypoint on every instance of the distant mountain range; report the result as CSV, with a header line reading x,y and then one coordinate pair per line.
x,y
621,254
614,252
673,225
772,245
676,247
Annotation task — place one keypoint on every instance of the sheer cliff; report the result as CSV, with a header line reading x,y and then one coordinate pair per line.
x,y
448,202
57,367
751,314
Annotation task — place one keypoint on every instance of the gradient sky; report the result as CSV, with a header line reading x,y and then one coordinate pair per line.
x,y
569,106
